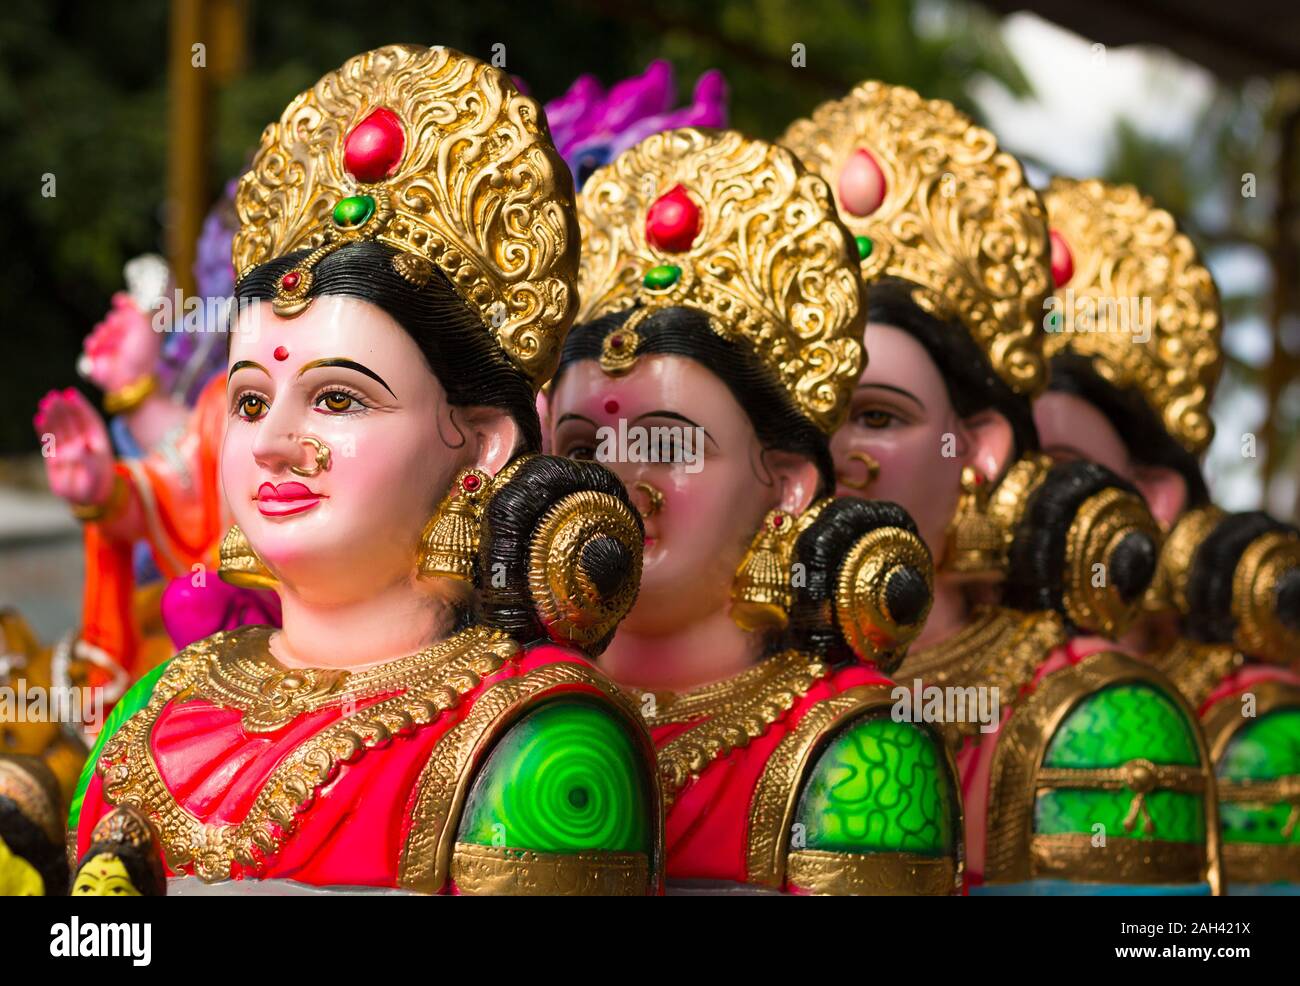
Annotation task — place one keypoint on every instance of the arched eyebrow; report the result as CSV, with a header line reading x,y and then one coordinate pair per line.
x,y
896,390
246,364
347,364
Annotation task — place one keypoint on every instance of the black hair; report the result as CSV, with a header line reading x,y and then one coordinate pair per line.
x,y
1136,424
821,551
512,516
971,382
681,331
459,348
1209,582
28,841
1036,560
143,865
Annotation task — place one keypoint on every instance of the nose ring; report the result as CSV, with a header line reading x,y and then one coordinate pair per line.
x,y
322,457
653,495
873,471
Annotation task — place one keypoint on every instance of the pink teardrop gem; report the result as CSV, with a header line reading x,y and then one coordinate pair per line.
x,y
374,147
862,184
1062,260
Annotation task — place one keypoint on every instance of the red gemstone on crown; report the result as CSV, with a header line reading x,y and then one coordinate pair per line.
x,y
1062,260
470,483
290,280
374,147
616,342
778,521
673,221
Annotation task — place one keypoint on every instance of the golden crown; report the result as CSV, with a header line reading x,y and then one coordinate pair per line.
x,y
738,229
933,201
1114,247
436,154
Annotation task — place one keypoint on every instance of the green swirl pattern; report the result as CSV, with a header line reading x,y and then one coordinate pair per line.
x,y
566,778
1107,729
880,786
1264,750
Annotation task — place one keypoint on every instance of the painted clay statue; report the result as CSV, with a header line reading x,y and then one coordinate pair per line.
x,y
1063,791
719,335
426,718
1135,360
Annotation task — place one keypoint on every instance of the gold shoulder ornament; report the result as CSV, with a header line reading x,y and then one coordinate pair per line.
x,y
438,155
737,229
1114,248
932,200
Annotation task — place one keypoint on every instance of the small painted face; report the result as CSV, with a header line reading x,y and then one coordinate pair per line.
x,y
902,418
104,875
339,444
713,497
1071,429
18,878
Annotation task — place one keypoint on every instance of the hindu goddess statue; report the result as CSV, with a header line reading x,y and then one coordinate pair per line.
x,y
426,718
1131,388
720,333
1093,777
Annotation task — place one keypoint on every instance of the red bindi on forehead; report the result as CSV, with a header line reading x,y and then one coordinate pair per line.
x,y
611,406
281,353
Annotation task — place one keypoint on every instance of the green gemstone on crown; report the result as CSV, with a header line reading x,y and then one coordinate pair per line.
x,y
663,276
354,210
865,246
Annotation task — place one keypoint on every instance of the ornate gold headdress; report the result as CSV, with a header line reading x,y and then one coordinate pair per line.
x,y
737,229
438,155
933,201
1112,246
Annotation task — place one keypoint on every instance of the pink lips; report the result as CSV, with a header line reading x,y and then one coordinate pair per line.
x,y
285,499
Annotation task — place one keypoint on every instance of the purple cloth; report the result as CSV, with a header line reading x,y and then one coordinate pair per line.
x,y
591,127
193,612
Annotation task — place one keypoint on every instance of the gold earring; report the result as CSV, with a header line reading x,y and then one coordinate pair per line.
x,y
976,541
240,564
761,595
870,464
449,544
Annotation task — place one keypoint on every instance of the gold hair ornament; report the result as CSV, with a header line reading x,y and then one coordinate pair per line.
x,y
436,154
737,229
1100,525
574,609
862,597
932,200
1259,631
1114,247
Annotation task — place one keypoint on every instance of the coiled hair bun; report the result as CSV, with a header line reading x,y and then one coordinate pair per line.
x,y
560,556
863,582
1086,548
1243,587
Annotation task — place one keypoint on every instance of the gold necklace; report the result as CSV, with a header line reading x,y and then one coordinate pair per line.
x,y
733,712
244,675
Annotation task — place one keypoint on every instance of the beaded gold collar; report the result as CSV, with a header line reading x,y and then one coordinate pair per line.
x,y
245,676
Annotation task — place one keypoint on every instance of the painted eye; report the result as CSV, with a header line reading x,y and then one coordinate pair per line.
x,y
874,418
251,407
338,402
584,452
